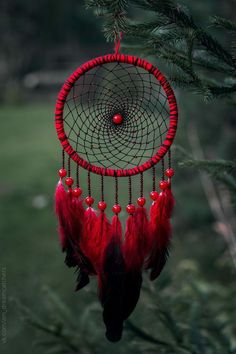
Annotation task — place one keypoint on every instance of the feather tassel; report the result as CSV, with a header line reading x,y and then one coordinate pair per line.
x,y
87,238
160,229
134,250
70,214
112,283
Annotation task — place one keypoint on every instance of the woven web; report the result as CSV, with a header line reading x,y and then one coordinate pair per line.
x,y
101,93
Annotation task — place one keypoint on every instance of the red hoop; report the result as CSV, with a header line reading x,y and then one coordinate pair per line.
x,y
110,58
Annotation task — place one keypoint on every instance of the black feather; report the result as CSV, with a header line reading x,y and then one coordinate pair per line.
x,y
161,260
112,290
133,282
82,279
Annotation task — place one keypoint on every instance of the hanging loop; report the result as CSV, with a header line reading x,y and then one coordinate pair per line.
x,y
118,38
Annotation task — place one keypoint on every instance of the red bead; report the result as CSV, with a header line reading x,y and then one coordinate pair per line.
x,y
163,185
117,118
77,192
102,205
141,201
154,195
62,172
130,208
170,172
116,208
69,181
89,201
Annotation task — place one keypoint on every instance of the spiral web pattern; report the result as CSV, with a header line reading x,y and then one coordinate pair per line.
x,y
102,92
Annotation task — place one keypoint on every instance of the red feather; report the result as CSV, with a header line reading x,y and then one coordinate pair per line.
x,y
134,250
70,213
63,214
87,239
142,232
160,231
132,247
100,240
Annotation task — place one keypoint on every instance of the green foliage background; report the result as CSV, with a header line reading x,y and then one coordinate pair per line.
x,y
191,307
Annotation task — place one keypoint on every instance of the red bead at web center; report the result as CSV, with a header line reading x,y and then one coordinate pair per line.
x,y
117,118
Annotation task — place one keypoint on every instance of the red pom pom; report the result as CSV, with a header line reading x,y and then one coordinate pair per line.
x,y
117,118
89,201
77,192
69,181
170,172
141,201
130,208
163,185
154,195
62,172
102,205
116,208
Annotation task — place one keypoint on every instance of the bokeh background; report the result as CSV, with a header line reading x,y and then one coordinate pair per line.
x,y
41,44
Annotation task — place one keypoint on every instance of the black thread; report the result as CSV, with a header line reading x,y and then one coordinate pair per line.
x,y
130,191
63,159
89,184
69,166
163,168
141,184
102,188
153,178
77,176
116,190
169,158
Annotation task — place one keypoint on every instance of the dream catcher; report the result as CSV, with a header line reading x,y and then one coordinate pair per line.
x,y
116,116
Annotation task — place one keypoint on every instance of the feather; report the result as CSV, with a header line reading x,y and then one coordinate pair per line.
x,y
70,214
134,250
160,229
86,242
142,232
111,283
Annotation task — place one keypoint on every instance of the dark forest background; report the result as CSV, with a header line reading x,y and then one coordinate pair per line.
x,y
191,307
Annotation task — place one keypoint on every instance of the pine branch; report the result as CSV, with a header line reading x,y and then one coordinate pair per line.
x,y
177,15
114,13
219,169
54,330
222,23
216,165
145,336
175,38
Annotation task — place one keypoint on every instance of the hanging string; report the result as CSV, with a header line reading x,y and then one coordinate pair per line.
x,y
130,191
141,184
169,158
163,169
89,184
63,159
102,188
69,166
153,178
77,176
118,38
116,190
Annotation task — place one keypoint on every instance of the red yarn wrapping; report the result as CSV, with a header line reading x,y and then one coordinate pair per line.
x,y
160,232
